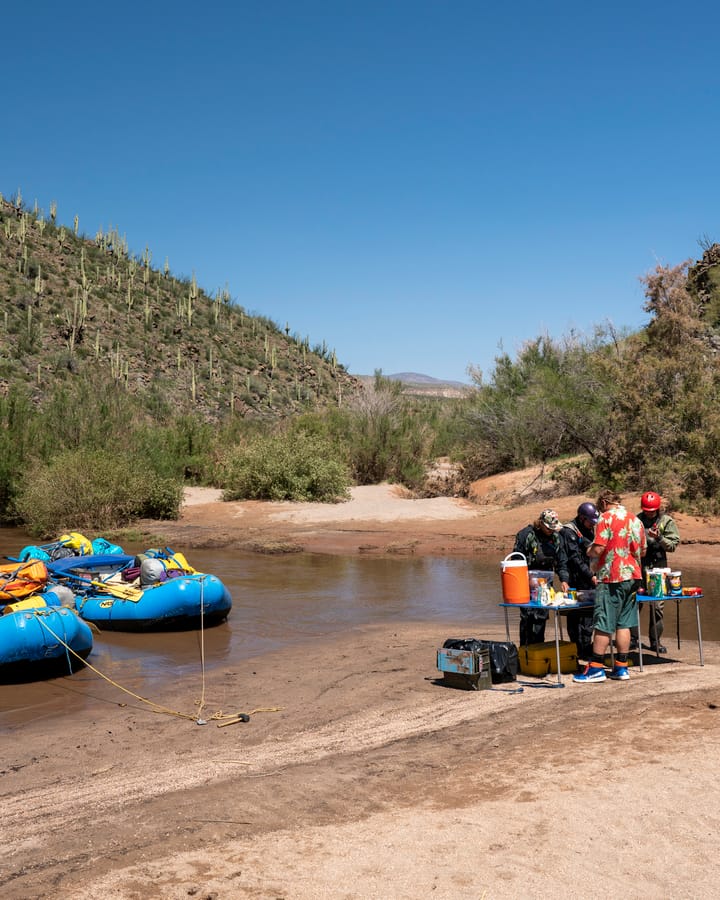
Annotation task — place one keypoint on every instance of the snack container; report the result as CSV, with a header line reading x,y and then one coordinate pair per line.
x,y
655,583
675,587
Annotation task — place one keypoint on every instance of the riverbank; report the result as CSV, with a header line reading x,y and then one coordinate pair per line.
x,y
359,775
383,519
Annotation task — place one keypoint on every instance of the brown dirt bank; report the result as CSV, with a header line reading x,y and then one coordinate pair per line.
x,y
381,519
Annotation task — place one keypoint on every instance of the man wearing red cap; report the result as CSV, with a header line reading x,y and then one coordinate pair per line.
x,y
663,537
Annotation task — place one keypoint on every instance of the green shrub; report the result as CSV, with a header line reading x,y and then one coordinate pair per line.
x,y
161,497
384,435
86,490
285,467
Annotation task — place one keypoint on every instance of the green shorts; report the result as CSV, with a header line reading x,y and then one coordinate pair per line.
x,y
615,606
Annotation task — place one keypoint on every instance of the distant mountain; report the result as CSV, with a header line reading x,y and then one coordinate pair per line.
x,y
425,385
417,378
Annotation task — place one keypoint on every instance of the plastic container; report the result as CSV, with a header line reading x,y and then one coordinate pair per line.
x,y
655,583
675,586
33,602
515,581
540,581
548,577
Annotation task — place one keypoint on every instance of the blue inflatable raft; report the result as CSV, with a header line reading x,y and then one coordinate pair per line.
x,y
184,601
34,642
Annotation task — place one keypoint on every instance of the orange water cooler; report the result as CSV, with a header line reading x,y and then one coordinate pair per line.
x,y
515,579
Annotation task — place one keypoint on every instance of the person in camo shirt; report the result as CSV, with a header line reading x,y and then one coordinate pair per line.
x,y
616,553
542,547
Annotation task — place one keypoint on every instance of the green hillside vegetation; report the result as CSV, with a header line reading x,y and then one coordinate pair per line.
x,y
120,383
77,307
642,407
115,371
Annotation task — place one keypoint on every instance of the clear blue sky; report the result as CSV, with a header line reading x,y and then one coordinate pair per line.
x,y
416,183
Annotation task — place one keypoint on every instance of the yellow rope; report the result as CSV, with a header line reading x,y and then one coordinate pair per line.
x,y
202,643
155,707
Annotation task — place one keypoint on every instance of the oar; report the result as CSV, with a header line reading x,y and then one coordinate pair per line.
x,y
117,590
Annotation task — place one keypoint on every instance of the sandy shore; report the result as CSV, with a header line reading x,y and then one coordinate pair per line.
x,y
369,779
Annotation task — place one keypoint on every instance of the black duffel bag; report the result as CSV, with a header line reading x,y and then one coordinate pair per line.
x,y
504,664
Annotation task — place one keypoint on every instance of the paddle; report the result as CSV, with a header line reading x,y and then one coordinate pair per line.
x,y
117,590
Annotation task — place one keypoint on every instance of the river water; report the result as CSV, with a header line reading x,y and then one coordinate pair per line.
x,y
287,599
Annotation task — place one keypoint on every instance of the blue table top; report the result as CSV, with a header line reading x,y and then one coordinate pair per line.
x,y
585,604
589,604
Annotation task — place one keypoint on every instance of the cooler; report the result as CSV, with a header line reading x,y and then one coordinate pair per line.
x,y
541,659
514,578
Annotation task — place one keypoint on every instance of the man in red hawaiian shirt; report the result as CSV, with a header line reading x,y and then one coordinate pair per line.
x,y
616,552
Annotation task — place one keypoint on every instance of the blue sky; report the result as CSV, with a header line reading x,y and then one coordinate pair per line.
x,y
415,183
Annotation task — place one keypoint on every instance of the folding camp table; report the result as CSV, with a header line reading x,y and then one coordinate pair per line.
x,y
677,599
551,609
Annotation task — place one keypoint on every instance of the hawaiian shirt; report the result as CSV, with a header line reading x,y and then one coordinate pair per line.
x,y
622,538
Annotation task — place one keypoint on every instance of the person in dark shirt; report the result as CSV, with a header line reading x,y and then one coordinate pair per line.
x,y
543,549
577,536
663,537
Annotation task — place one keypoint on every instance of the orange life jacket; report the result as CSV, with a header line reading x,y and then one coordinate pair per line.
x,y
21,579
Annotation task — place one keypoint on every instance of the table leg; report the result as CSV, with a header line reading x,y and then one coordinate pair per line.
x,y
507,625
557,650
639,607
697,616
653,627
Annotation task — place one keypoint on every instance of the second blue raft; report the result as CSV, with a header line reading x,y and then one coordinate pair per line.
x,y
182,602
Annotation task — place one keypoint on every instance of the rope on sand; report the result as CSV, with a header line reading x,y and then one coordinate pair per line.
x,y
157,707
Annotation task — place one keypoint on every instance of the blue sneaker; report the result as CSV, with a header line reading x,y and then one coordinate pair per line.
x,y
591,673
620,673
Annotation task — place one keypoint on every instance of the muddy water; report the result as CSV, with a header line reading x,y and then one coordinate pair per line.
x,y
281,600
